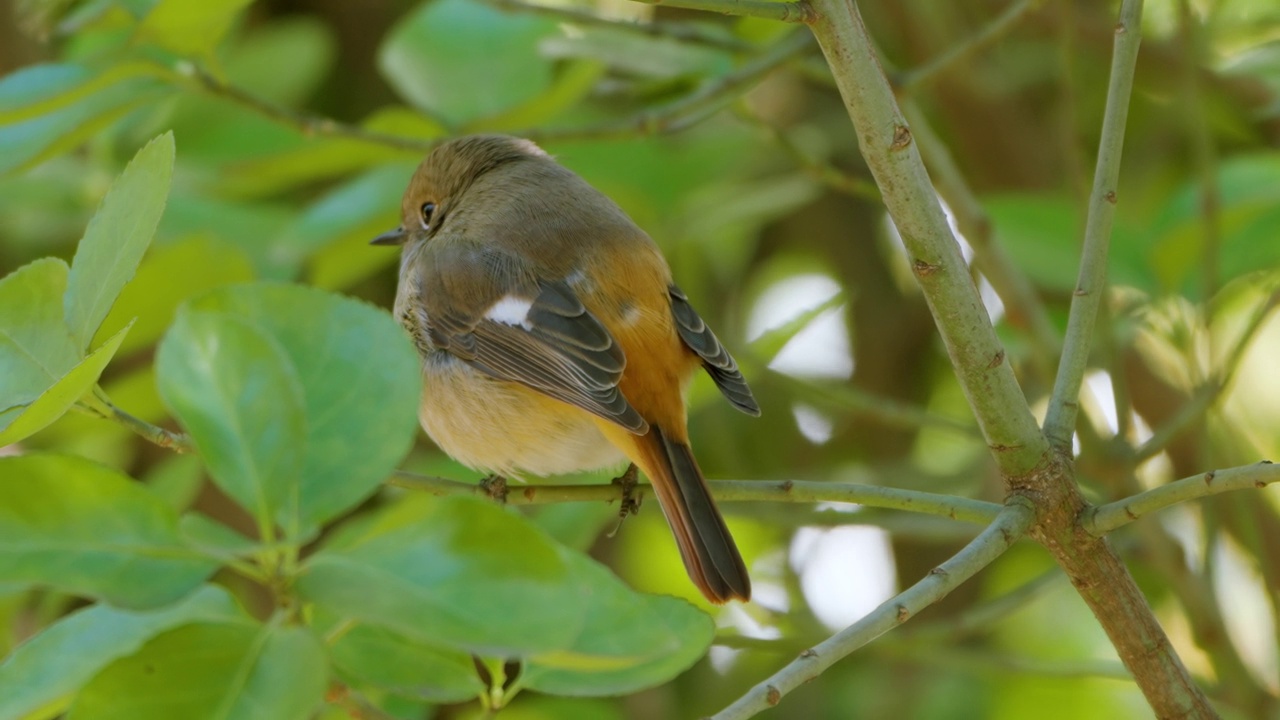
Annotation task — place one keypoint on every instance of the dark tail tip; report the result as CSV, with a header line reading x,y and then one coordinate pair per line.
x,y
711,558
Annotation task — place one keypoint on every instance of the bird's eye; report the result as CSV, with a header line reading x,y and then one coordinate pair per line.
x,y
427,210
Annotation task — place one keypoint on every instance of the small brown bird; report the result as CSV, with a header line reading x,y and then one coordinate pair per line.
x,y
553,338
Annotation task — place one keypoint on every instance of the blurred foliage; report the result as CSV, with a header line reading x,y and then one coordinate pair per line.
x,y
221,282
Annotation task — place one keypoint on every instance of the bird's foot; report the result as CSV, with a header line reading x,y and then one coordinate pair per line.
x,y
630,501
495,486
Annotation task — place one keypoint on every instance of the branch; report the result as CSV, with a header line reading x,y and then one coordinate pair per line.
x,y
307,124
793,12
1103,519
798,491
1060,421
891,154
991,32
1012,521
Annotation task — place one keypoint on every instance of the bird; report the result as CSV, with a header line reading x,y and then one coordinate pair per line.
x,y
553,338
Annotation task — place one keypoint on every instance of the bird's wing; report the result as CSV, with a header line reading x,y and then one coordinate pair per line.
x,y
715,359
488,309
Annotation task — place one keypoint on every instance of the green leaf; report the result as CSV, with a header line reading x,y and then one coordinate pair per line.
x,y
189,28
390,661
35,348
236,392
169,275
50,108
360,383
85,528
54,402
51,666
116,238
214,671
464,60
457,572
629,642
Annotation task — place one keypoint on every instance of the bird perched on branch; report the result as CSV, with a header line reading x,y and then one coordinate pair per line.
x,y
553,338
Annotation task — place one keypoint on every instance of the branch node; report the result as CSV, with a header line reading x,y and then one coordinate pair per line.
x,y
1208,477
773,696
996,361
495,486
1110,197
903,613
901,138
939,571
924,269
787,486
809,653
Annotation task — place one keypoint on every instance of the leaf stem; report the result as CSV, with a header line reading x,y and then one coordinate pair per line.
x,y
102,406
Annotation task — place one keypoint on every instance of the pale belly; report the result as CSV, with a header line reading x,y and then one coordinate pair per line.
x,y
501,427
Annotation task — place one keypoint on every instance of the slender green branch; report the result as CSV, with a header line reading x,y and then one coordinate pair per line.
x,y
799,491
305,123
989,33
890,152
1011,523
1060,420
694,34
1099,521
98,402
983,615
794,12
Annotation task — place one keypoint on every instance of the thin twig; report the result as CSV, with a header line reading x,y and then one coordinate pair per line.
x,y
989,33
98,402
799,491
1103,519
794,12
1060,421
890,411
1008,526
824,173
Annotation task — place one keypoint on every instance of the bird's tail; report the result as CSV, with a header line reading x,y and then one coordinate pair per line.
x,y
710,556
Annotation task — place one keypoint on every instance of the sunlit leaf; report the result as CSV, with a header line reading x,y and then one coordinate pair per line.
x,y
116,238
60,396
190,28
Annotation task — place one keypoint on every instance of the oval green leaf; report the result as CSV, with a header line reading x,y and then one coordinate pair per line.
x,y
54,664
212,671
35,348
457,572
85,528
236,392
360,382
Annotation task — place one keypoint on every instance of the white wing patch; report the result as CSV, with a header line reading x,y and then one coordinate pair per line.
x,y
511,310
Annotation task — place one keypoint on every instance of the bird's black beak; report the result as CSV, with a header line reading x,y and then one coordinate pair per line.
x,y
391,237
